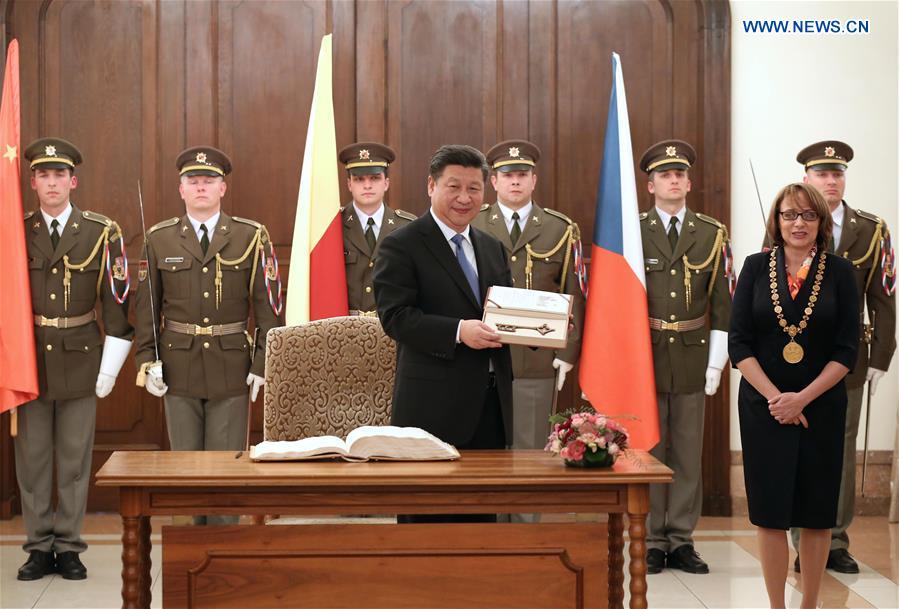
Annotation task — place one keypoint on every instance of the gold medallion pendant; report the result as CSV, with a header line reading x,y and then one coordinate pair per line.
x,y
793,352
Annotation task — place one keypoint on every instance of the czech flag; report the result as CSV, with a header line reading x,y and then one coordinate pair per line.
x,y
316,285
616,370
18,360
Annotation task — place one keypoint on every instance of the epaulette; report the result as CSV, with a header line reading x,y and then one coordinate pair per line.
x,y
28,214
164,224
485,206
559,215
710,220
644,215
95,217
252,223
869,216
342,209
405,215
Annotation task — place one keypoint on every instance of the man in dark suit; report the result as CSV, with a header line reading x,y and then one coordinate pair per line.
x,y
453,376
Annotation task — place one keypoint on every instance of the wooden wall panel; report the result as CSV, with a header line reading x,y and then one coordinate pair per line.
x,y
133,82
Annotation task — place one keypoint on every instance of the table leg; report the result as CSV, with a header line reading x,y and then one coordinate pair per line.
x,y
637,508
144,546
131,563
616,561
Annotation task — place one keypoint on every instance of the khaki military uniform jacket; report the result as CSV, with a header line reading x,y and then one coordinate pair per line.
x,y
184,290
360,260
680,358
68,359
860,243
544,231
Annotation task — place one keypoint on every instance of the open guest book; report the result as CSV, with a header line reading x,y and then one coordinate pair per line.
x,y
376,443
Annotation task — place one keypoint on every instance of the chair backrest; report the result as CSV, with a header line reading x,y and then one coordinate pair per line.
x,y
327,377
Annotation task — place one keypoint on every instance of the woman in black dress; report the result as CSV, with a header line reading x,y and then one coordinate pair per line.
x,y
794,336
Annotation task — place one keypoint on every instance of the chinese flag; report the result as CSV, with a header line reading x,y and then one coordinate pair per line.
x,y
18,362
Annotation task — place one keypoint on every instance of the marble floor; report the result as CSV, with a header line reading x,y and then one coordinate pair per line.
x,y
727,544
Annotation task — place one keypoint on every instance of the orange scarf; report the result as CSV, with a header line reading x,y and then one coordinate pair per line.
x,y
795,283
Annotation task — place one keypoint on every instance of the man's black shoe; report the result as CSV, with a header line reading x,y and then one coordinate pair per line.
x,y
839,560
686,559
655,561
796,564
69,566
38,565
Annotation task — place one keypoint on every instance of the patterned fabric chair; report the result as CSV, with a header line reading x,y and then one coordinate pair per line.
x,y
327,377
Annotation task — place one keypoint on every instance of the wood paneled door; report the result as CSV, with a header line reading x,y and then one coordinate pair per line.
x,y
133,82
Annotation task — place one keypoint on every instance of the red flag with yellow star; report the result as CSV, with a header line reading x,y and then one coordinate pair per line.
x,y
18,363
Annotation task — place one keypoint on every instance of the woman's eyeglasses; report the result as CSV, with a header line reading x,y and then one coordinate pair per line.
x,y
809,215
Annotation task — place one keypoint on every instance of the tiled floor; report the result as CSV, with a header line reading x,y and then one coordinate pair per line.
x,y
728,544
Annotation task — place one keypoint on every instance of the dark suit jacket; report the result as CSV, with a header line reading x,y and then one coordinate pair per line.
x,y
422,295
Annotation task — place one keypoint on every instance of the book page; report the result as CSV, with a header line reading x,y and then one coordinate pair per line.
x,y
528,300
399,443
321,447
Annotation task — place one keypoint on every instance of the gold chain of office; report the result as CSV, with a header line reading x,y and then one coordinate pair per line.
x,y
793,351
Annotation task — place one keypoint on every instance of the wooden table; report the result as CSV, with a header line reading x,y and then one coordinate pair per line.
x,y
181,483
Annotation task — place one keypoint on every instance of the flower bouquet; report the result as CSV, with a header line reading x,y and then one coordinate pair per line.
x,y
586,438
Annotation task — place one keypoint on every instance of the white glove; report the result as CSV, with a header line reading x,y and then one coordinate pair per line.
x,y
254,382
873,377
712,379
105,383
115,352
564,368
155,385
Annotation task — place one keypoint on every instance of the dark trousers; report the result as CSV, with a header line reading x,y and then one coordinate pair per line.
x,y
489,434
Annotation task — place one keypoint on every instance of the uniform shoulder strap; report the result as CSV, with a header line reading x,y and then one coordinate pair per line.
x,y
164,224
95,217
405,215
559,215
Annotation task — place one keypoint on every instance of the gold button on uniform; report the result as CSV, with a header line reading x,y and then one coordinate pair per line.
x,y
371,265
368,289
206,294
205,269
673,294
205,320
514,258
52,296
205,345
670,339
49,347
54,270
674,271
673,317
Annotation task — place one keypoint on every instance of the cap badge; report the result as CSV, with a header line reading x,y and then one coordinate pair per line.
x,y
364,154
514,152
671,151
50,150
201,157
829,151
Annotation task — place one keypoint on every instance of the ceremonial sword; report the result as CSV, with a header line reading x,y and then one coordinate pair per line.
x,y
869,333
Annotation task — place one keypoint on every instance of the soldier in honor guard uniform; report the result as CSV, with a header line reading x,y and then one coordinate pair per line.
x,y
367,220
863,239
538,243
688,284
74,257
198,276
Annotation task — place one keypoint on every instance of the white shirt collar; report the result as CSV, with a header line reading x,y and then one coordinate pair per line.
x,y
523,213
210,224
665,217
63,217
449,233
378,217
839,214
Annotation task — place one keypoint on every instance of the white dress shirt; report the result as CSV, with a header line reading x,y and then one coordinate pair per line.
x,y
210,225
467,250
665,217
838,216
62,218
378,217
523,215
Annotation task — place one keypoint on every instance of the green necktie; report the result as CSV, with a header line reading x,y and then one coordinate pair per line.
x,y
672,232
370,235
515,233
204,240
54,234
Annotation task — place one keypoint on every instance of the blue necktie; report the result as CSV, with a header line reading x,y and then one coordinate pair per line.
x,y
470,274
